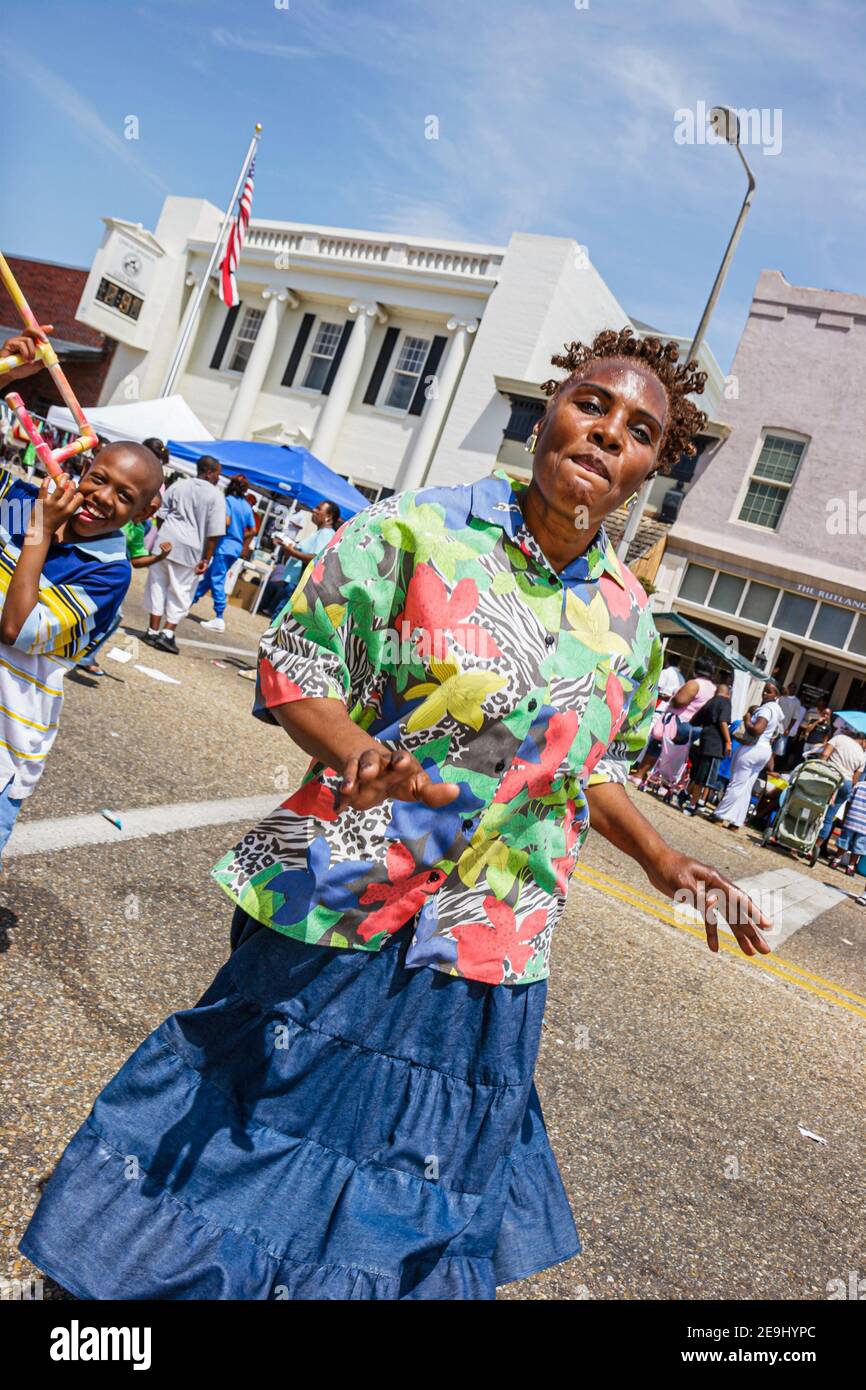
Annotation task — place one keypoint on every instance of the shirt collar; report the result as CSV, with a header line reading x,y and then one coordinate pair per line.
x,y
495,500
108,548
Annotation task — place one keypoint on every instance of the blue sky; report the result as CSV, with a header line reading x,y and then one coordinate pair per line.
x,y
552,118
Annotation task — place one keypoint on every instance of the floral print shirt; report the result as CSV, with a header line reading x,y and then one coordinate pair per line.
x,y
435,617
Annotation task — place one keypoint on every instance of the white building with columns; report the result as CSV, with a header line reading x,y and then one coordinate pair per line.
x,y
395,359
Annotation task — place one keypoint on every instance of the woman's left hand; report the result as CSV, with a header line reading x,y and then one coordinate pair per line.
x,y
704,888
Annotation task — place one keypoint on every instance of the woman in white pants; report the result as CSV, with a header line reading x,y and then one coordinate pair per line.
x,y
750,759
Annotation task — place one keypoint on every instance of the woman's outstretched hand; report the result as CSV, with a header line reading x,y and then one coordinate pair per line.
x,y
710,893
678,876
381,774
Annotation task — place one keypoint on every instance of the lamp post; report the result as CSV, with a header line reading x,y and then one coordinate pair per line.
x,y
726,124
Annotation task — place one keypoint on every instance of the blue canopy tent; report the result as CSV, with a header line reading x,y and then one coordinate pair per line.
x,y
291,472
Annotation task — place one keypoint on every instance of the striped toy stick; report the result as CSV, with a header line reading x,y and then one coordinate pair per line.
x,y
52,458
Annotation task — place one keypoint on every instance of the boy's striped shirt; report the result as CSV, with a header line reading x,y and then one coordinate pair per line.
x,y
855,816
82,587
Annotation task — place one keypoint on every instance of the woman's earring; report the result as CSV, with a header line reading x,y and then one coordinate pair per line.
x,y
630,501
531,443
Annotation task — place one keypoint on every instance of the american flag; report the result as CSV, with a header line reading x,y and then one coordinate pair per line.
x,y
228,289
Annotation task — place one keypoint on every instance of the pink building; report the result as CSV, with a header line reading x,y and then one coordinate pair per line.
x,y
770,543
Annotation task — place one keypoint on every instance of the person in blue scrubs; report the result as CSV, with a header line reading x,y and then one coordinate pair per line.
x,y
294,559
235,545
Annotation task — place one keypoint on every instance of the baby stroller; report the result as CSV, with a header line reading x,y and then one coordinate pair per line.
x,y
802,808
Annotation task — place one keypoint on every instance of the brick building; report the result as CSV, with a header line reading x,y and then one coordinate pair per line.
x,y
53,292
767,548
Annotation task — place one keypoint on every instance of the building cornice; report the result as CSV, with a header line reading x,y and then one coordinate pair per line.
x,y
367,256
516,386
138,232
386,239
773,291
764,562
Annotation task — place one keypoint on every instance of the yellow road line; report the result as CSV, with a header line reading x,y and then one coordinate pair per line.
x,y
657,902
777,966
591,875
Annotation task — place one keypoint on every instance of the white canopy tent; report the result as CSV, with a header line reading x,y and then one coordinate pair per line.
x,y
167,418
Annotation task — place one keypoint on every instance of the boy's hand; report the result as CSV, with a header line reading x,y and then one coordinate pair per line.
x,y
25,344
380,774
165,547
58,499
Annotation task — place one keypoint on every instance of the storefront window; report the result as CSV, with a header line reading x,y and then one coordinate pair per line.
x,y
856,697
726,593
696,584
759,603
831,625
858,638
794,614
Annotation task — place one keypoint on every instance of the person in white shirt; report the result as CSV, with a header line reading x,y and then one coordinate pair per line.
x,y
671,679
750,759
793,709
194,519
847,753
794,713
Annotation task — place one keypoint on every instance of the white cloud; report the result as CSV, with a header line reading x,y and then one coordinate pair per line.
x,y
411,215
265,48
54,89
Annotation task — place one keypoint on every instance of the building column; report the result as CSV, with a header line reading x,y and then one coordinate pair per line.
x,y
237,425
413,469
186,355
337,402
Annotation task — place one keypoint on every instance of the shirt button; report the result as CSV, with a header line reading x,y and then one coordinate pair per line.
x,y
467,824
431,878
500,766
549,640
551,579
533,704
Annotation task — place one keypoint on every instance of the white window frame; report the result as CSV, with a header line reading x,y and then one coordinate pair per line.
x,y
770,622
768,431
400,412
310,353
236,339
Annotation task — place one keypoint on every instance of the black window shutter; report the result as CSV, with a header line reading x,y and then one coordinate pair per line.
x,y
223,339
298,349
386,352
434,357
338,355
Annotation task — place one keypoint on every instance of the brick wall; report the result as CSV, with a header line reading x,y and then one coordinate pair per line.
x,y
53,292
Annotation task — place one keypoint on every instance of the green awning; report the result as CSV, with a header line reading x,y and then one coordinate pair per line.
x,y
708,639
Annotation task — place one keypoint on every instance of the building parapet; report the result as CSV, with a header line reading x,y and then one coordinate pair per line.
x,y
333,244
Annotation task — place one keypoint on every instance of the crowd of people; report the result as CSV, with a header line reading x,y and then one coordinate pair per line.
x,y
698,757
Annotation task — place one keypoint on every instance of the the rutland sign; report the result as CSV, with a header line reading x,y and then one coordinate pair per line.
x,y
832,597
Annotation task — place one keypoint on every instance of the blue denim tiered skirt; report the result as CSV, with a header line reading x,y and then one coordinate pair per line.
x,y
325,1124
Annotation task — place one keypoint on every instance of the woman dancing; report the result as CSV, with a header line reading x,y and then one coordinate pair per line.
x,y
349,1111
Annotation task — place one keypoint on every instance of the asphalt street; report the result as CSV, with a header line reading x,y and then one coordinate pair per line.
x,y
706,1112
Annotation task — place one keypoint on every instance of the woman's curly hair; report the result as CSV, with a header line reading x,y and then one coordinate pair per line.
x,y
680,381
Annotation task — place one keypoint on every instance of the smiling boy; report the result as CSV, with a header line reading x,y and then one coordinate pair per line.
x,y
63,576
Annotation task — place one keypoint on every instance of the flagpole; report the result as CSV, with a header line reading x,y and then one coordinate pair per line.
x,y
192,317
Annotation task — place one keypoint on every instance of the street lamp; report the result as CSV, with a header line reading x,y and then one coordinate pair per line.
x,y
726,124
